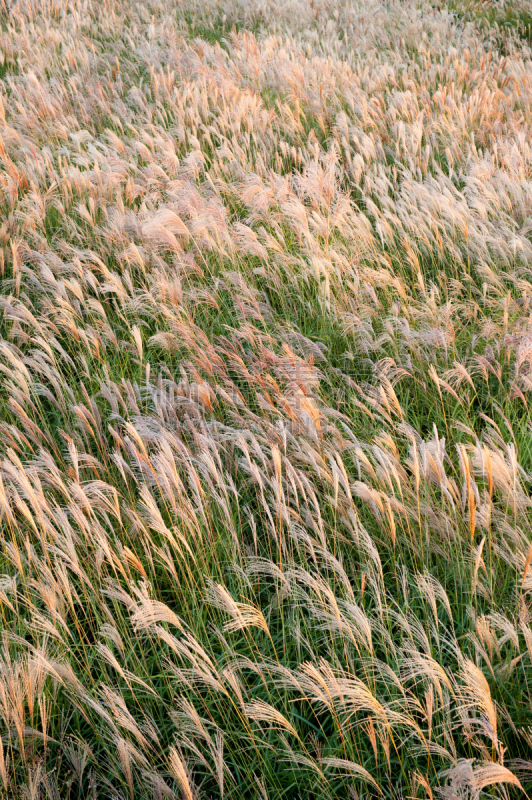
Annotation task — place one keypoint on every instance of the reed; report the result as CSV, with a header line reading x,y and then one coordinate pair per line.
x,y
265,364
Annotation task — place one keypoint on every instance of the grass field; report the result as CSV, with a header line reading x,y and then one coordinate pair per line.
x,y
265,386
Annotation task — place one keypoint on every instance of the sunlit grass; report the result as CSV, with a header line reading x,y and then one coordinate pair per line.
x,y
265,353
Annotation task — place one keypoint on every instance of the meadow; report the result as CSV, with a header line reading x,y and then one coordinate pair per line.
x,y
265,386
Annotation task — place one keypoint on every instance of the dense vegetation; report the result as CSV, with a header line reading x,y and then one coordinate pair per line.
x,y
265,378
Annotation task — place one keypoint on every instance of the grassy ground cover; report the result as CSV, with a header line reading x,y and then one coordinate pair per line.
x,y
265,373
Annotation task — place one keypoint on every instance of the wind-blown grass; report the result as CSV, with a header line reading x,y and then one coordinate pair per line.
x,y
266,361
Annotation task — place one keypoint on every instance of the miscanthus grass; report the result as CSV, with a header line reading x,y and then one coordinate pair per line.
x,y
265,385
